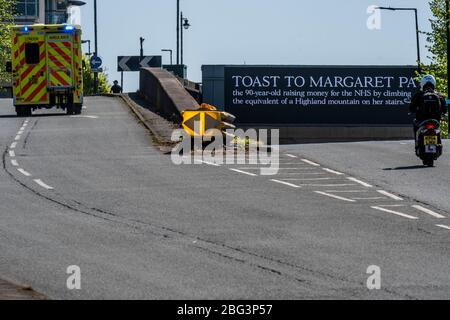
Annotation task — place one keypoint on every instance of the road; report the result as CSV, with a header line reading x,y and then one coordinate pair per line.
x,y
93,191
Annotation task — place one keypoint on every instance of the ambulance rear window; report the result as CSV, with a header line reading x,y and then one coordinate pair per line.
x,y
32,53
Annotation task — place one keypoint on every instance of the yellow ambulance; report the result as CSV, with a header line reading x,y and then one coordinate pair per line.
x,y
46,68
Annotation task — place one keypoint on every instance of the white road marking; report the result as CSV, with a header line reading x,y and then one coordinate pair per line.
x,y
347,191
390,195
13,145
247,173
370,198
12,154
428,211
285,183
42,184
290,155
334,196
404,215
20,132
311,163
257,168
333,171
309,179
27,174
90,117
329,185
14,163
365,184
210,163
443,226
17,137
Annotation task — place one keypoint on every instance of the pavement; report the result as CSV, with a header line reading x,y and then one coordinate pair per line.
x,y
94,191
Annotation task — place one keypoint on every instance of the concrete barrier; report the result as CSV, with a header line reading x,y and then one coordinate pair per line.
x,y
163,91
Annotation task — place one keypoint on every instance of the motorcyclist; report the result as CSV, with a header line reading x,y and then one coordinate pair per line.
x,y
427,104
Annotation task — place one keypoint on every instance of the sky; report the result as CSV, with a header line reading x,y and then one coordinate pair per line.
x,y
279,32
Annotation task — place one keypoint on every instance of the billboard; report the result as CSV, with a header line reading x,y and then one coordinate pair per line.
x,y
312,95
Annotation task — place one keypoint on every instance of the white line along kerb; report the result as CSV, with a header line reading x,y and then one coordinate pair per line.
x,y
311,163
42,184
365,184
390,195
443,226
12,154
333,171
17,137
13,145
25,173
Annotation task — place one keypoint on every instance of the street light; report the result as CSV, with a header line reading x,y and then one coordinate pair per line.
x,y
171,54
417,26
178,31
89,46
96,46
186,25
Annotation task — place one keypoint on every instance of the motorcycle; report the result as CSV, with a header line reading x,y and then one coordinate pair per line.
x,y
429,142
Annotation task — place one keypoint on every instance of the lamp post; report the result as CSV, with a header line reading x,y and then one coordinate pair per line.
x,y
447,7
185,23
142,47
178,31
96,47
417,27
89,46
171,54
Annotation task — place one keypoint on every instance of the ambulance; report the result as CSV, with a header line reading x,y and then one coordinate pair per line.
x,y
46,68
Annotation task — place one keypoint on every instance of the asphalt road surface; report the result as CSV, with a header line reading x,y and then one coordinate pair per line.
x,y
93,191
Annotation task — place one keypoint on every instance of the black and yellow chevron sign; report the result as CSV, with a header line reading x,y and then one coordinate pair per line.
x,y
198,122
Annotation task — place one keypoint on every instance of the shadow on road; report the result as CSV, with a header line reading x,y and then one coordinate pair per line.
x,y
406,168
8,116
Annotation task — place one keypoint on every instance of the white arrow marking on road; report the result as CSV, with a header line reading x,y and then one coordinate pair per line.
x,y
145,61
123,63
332,171
443,226
428,211
247,173
311,163
290,155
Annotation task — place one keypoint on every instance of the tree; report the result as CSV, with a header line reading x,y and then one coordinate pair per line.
x,y
437,46
7,9
88,79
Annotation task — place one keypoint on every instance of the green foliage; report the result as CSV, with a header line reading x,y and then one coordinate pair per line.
x,y
88,79
437,46
7,8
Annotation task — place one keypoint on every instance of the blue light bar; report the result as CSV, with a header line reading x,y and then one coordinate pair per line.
x,y
26,29
69,28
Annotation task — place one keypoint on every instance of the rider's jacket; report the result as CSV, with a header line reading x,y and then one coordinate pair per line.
x,y
427,105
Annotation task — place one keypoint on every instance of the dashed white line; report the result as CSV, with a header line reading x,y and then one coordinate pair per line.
x,y
311,163
17,137
401,214
370,198
14,163
309,179
365,184
244,172
334,196
285,183
12,154
428,211
20,132
13,145
443,226
42,184
329,185
390,195
25,173
347,191
290,155
333,171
